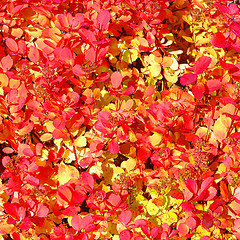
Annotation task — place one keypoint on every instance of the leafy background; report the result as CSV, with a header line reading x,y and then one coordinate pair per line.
x,y
119,119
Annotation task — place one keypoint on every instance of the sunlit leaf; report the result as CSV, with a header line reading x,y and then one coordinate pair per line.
x,y
81,141
152,209
66,173
169,218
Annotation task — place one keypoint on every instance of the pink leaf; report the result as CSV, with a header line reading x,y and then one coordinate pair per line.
x,y
42,210
213,85
77,70
198,90
33,54
103,19
59,123
125,217
116,79
125,235
113,146
154,232
191,222
188,78
76,223
201,64
11,44
218,40
6,63
183,229
114,200
8,150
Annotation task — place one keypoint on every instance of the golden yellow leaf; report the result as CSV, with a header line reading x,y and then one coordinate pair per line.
x,y
66,173
169,218
130,164
152,209
221,127
155,139
155,70
188,39
81,141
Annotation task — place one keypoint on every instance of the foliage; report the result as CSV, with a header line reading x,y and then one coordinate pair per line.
x,y
119,119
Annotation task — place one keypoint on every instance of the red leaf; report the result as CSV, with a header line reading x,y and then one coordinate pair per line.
x,y
198,90
235,135
87,35
218,40
213,85
176,194
65,193
103,77
235,27
76,223
125,235
128,91
11,44
202,64
33,54
191,185
125,217
12,210
103,19
116,79
188,78
57,134
6,63
113,146
206,184
143,154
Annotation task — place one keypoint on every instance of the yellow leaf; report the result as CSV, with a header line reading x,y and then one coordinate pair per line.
x,y
155,139
3,80
81,141
152,209
188,39
169,218
130,164
130,55
170,77
66,173
221,126
45,137
155,70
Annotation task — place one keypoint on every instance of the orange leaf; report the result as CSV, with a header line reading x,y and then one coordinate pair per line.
x,y
224,191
